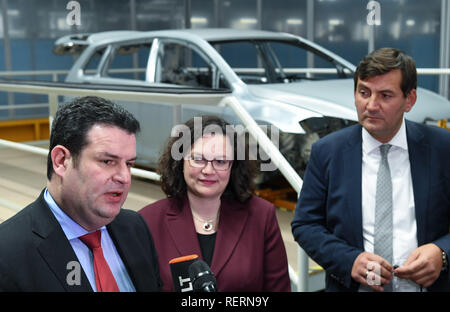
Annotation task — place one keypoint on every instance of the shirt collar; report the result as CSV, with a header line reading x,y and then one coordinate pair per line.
x,y
70,228
399,140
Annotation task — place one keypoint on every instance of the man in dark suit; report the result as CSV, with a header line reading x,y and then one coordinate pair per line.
x,y
75,236
374,208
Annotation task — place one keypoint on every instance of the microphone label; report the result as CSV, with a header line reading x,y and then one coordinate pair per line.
x,y
183,281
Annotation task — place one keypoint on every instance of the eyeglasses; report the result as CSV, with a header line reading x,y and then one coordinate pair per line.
x,y
218,164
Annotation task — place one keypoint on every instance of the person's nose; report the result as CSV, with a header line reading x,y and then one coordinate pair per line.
x,y
208,169
122,174
372,103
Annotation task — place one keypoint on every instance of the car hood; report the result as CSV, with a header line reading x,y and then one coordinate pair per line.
x,y
334,98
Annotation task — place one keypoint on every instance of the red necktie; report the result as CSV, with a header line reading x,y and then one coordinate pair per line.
x,y
104,279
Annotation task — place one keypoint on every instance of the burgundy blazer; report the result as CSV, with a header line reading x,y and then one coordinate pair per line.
x,y
249,254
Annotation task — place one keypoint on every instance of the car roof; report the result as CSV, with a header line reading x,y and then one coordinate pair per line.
x,y
217,34
208,34
76,43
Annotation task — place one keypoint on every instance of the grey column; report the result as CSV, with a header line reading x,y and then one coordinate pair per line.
x,y
310,33
7,49
444,58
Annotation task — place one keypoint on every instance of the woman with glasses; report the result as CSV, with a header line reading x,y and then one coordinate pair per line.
x,y
210,210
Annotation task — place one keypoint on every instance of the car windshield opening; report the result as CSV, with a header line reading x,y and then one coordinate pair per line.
x,y
274,61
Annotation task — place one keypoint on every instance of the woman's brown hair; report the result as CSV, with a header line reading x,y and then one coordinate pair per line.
x,y
240,186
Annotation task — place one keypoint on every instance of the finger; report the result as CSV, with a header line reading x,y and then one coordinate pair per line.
x,y
372,270
362,265
360,276
372,280
425,276
424,280
380,263
387,266
403,272
382,279
385,280
409,271
386,274
383,271
375,281
409,267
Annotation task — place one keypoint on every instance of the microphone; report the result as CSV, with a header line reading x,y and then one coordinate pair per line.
x,y
203,279
179,267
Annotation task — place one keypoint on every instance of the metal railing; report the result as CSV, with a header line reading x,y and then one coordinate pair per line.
x,y
55,74
300,280
44,152
59,72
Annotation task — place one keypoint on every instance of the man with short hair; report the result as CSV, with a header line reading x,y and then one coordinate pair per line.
x,y
374,208
75,236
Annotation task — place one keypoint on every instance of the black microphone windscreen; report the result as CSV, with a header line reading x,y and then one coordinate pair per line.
x,y
197,267
202,277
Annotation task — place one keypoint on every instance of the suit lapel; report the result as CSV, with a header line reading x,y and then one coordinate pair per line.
x,y
54,247
233,217
232,220
352,157
182,229
63,262
419,159
128,252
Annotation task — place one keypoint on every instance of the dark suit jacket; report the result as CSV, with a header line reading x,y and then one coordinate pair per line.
x,y
249,253
34,251
328,218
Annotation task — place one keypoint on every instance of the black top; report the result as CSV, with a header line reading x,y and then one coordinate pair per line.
x,y
207,243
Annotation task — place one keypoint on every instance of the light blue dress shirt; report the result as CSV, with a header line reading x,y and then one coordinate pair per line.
x,y
73,231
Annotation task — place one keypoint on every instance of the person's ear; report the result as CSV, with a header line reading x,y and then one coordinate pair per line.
x,y
410,100
61,159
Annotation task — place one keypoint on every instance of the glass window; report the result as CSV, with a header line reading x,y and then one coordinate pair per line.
x,y
413,26
341,26
238,14
154,15
202,14
285,16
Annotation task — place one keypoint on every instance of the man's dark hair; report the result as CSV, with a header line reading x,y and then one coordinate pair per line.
x,y
74,120
240,186
384,60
